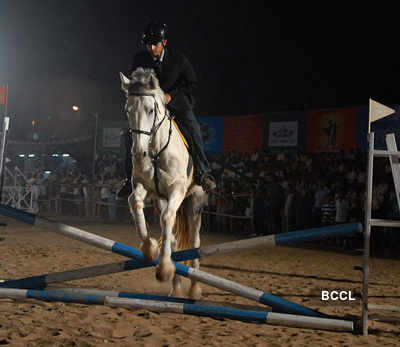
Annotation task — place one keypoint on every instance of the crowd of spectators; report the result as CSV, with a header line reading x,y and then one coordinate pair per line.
x,y
258,193
73,189
290,191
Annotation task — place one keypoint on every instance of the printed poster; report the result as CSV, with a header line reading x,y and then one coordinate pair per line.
x,y
331,130
283,134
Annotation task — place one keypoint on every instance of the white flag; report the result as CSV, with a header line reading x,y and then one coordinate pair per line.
x,y
377,111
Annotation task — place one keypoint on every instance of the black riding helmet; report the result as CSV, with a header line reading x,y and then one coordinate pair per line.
x,y
155,32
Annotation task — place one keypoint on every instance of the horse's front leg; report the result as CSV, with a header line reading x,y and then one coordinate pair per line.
x,y
149,245
166,268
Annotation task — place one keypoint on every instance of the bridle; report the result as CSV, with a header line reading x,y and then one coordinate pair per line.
x,y
155,127
152,133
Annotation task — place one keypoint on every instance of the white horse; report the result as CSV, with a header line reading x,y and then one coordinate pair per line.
x,y
162,167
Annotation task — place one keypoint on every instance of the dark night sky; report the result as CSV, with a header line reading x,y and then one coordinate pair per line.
x,y
249,58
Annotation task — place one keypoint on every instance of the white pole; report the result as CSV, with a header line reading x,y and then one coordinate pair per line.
x,y
367,234
6,123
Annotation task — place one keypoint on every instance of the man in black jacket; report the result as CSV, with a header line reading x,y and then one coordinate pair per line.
x,y
178,80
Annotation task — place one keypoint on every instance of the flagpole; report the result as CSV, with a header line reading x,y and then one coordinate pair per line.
x,y
369,117
5,125
6,105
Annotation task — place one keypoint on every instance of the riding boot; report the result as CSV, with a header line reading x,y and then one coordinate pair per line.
x,y
125,187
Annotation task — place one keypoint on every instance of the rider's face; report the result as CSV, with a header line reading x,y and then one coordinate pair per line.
x,y
156,49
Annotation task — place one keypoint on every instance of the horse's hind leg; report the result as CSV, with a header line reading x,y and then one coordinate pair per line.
x,y
176,289
194,210
149,245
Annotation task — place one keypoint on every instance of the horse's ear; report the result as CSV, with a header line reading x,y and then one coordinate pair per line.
x,y
125,81
153,83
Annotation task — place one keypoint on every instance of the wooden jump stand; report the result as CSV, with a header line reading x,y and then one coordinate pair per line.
x,y
393,154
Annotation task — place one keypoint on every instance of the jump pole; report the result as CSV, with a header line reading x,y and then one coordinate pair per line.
x,y
271,241
117,294
272,318
277,304
183,308
89,296
42,281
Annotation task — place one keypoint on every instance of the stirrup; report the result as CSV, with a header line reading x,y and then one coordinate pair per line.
x,y
124,190
208,182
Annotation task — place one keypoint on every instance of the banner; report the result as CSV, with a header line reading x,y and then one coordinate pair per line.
x,y
112,137
283,134
284,130
212,132
243,133
331,130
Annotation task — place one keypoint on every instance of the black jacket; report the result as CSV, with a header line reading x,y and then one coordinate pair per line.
x,y
176,76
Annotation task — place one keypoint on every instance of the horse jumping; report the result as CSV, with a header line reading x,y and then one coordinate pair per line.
x,y
161,167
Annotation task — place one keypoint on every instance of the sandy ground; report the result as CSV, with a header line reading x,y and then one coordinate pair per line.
x,y
296,274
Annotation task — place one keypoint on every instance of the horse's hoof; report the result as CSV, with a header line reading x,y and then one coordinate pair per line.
x,y
195,291
150,249
176,292
165,271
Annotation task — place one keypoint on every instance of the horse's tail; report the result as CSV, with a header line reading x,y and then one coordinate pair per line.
x,y
180,231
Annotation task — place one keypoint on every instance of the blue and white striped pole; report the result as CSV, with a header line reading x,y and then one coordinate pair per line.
x,y
277,304
233,313
117,294
85,296
42,281
177,305
270,241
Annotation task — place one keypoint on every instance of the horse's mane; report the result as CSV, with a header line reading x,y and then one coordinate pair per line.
x,y
144,81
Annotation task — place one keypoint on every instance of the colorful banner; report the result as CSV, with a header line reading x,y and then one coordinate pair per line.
x,y
212,133
331,130
243,133
283,134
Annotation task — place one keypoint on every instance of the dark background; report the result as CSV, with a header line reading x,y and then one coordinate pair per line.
x,y
250,57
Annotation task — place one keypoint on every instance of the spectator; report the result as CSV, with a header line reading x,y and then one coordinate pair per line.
x,y
342,208
328,210
87,192
259,213
104,195
289,217
320,199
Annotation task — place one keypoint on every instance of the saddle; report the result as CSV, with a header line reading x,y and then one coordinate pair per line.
x,y
190,162
180,133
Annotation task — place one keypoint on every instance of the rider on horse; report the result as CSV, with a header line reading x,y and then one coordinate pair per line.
x,y
177,79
